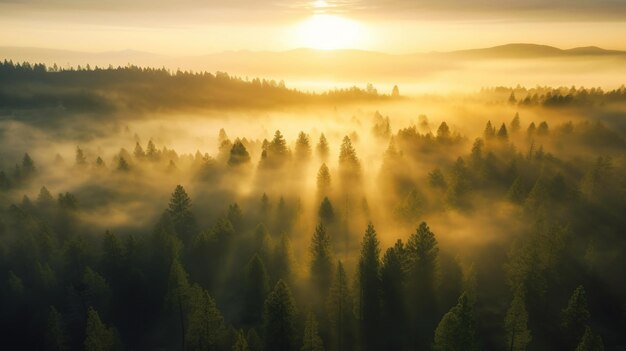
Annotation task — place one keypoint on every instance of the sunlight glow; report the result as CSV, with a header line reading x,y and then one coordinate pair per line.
x,y
329,32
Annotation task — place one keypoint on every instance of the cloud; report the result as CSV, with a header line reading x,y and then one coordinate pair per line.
x,y
588,10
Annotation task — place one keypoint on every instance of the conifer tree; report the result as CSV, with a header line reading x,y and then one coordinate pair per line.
x,y
56,333
326,213
456,331
28,167
323,181
322,148
179,209
590,341
256,291
575,316
80,158
516,323
321,263
238,154
98,337
394,315
369,290
515,123
280,319
311,340
340,312
303,147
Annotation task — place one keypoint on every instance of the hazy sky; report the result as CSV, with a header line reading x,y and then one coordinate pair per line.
x,y
193,27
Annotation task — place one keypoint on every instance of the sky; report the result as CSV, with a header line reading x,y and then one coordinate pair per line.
x,y
195,27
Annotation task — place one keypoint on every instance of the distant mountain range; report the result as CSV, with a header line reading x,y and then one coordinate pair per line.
x,y
307,67
508,51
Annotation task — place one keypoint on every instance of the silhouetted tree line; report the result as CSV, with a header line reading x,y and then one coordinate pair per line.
x,y
86,89
233,283
556,97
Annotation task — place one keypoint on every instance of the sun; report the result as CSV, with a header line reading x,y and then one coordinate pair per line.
x,y
329,32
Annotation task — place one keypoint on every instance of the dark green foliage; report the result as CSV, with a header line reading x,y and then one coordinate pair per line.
x,y
590,342
28,167
321,263
179,209
99,337
340,312
575,317
518,336
56,333
280,319
326,212
311,340
457,330
369,290
394,314
238,154
256,291
421,253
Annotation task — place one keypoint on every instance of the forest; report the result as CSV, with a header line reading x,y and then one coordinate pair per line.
x,y
244,215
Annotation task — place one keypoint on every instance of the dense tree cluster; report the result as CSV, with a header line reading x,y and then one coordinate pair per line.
x,y
216,271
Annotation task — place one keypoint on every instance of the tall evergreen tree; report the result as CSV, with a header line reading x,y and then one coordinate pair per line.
x,y
56,333
575,317
322,148
321,263
238,154
311,340
303,147
98,337
206,328
80,158
590,341
394,316
456,331
340,312
369,290
326,213
179,209
256,291
422,253
280,319
323,181
516,323
28,167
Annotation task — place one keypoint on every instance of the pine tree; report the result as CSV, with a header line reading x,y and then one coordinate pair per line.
x,y
238,154
176,299
456,331
241,343
394,316
369,290
303,147
151,151
326,213
98,337
515,123
323,181
206,328
80,158
280,319
321,263
283,260
56,334
122,165
443,132
179,209
516,323
138,152
256,291
502,133
340,312
347,154
322,148
590,341
311,340
575,316
489,132
44,199
422,252
28,167
531,129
